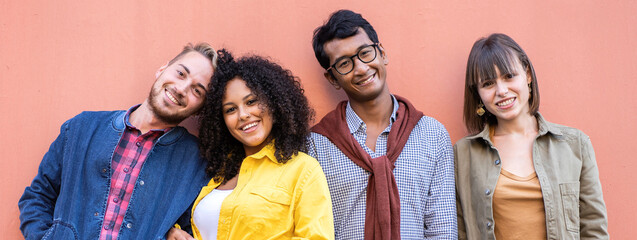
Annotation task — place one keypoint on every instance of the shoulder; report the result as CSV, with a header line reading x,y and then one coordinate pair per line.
x,y
314,136
317,140
429,133
93,119
96,116
566,133
303,161
465,141
430,124
186,137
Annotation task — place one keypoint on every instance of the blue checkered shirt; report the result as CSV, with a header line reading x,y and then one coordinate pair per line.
x,y
423,173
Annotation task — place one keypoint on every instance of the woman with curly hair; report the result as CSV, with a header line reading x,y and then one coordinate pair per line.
x,y
519,176
253,130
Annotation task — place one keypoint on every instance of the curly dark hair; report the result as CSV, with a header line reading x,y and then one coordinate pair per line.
x,y
276,88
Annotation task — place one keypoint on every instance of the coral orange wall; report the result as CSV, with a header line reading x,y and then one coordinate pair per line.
x,y
58,58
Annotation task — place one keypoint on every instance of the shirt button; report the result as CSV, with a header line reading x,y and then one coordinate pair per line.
x,y
129,225
96,214
115,200
141,182
126,170
138,144
488,224
486,192
497,162
104,170
107,227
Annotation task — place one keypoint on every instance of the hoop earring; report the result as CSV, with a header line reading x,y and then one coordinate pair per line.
x,y
480,111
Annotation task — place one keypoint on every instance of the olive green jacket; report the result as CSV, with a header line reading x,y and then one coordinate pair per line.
x,y
565,164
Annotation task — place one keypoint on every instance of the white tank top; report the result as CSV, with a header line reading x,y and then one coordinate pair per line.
x,y
206,216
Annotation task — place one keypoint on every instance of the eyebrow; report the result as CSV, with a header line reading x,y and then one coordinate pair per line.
x,y
187,70
202,86
357,50
244,98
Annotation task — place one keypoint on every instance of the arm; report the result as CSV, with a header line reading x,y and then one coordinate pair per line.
x,y
183,223
313,215
462,231
440,208
37,203
593,221
178,234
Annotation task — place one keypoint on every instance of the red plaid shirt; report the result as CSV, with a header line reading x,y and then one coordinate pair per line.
x,y
127,162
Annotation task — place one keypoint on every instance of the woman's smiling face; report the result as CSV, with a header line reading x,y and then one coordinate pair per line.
x,y
248,120
506,96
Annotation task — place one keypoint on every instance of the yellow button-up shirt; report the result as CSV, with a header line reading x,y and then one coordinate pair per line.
x,y
274,200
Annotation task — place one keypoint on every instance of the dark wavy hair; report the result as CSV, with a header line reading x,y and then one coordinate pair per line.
x,y
277,89
342,24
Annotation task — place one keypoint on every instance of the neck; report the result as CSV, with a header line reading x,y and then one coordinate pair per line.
x,y
525,124
376,111
145,120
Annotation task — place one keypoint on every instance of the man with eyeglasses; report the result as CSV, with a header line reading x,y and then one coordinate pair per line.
x,y
389,168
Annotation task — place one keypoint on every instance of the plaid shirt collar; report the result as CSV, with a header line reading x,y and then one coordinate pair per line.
x,y
130,126
355,123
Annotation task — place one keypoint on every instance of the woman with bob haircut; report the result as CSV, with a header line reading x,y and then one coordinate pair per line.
x,y
253,129
519,176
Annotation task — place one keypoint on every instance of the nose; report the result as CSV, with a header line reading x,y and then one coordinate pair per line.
x,y
183,85
501,88
359,66
244,114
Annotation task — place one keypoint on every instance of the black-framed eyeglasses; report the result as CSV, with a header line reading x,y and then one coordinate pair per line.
x,y
345,65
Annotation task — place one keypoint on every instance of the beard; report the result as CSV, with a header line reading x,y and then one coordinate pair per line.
x,y
162,112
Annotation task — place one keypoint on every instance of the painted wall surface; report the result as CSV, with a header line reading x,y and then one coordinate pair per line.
x,y
58,58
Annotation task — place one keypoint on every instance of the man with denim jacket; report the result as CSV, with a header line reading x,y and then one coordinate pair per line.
x,y
124,174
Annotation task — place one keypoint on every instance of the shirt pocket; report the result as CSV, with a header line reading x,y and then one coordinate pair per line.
x,y
570,204
268,209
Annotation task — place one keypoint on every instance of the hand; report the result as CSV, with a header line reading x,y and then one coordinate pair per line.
x,y
178,234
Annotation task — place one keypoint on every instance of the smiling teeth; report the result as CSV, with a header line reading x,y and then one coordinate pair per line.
x,y
171,97
249,126
507,102
366,81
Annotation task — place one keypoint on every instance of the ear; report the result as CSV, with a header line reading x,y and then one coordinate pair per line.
x,y
529,79
160,70
383,53
330,78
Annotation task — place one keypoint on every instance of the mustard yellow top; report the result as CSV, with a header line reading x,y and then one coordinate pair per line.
x,y
518,207
274,200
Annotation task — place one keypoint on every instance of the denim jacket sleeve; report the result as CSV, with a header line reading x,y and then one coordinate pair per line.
x,y
593,221
184,220
37,203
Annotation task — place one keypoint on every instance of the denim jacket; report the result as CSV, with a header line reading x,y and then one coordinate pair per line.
x,y
565,164
67,198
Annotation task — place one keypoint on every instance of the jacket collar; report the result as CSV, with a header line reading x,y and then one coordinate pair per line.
x,y
544,127
266,152
170,137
